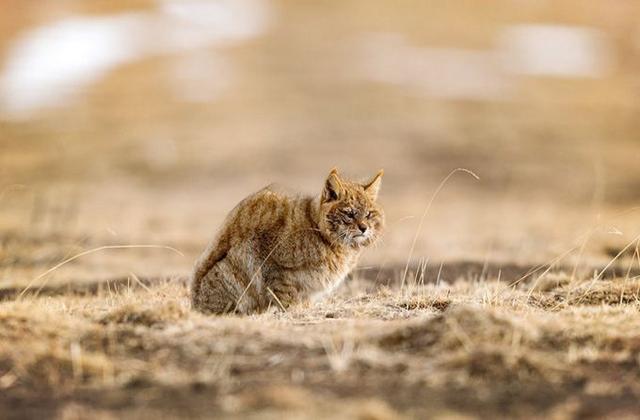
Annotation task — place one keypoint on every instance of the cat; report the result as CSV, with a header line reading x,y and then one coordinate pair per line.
x,y
275,250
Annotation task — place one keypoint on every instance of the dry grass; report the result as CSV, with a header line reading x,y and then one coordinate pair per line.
x,y
371,352
111,334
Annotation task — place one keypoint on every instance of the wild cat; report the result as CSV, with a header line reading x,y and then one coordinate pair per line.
x,y
274,250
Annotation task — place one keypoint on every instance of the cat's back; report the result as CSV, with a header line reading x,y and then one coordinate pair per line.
x,y
256,220
267,209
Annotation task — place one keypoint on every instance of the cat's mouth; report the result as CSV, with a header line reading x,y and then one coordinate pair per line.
x,y
360,238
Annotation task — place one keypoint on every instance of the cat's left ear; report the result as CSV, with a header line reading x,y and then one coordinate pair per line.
x,y
373,187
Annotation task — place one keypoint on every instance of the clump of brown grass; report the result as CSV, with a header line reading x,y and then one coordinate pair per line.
x,y
551,281
41,351
471,344
299,402
507,366
155,315
608,292
461,327
414,303
595,333
59,367
589,292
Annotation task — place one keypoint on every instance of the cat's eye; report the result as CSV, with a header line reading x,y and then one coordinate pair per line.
x,y
368,215
350,213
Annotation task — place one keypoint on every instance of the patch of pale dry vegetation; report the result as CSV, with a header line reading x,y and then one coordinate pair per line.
x,y
467,348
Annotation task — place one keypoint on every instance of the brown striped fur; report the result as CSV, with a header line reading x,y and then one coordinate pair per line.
x,y
275,250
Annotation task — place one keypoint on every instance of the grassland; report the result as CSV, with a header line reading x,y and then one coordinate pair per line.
x,y
555,346
517,295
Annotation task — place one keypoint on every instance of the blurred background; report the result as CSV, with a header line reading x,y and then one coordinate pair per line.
x,y
146,121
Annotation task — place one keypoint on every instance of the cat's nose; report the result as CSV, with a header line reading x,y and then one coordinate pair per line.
x,y
363,228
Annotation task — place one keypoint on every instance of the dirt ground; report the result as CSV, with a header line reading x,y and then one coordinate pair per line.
x,y
515,295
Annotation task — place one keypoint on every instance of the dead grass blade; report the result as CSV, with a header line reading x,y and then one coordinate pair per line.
x,y
426,211
88,252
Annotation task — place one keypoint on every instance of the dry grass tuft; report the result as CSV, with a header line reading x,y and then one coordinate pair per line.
x,y
480,344
551,281
157,315
613,292
41,352
410,304
589,292
456,328
511,368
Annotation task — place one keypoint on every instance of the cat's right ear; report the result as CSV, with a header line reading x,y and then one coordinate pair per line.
x,y
332,187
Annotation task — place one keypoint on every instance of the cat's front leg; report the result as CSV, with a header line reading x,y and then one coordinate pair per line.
x,y
284,292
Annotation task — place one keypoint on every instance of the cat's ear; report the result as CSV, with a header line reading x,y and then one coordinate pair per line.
x,y
373,187
332,187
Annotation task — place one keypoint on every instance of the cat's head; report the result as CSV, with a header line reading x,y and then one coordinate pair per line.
x,y
349,212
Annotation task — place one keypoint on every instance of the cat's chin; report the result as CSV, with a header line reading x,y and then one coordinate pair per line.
x,y
354,242
361,241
